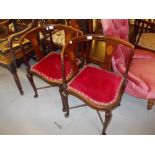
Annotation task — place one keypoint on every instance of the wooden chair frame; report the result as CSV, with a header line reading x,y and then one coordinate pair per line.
x,y
141,26
5,25
113,41
12,65
47,32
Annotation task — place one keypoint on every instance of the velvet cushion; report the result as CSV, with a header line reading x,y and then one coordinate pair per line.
x,y
141,75
50,68
115,27
96,85
142,68
136,86
143,54
118,28
141,81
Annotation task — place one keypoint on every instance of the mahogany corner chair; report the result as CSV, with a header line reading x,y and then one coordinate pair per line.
x,y
48,64
99,87
11,55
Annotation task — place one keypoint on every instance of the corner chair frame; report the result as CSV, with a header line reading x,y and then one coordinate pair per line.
x,y
47,31
12,67
106,108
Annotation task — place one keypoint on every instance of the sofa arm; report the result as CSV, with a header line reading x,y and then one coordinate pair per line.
x,y
131,77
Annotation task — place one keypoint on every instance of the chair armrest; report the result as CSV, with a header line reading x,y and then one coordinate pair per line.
x,y
15,37
5,25
5,22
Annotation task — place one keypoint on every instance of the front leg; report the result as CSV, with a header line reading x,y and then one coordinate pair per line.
x,y
108,115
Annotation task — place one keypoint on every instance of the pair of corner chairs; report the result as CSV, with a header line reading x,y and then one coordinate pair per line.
x,y
71,70
141,76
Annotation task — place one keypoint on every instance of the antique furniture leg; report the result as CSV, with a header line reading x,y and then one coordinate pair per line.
x,y
13,70
30,78
62,98
150,104
99,115
119,104
108,116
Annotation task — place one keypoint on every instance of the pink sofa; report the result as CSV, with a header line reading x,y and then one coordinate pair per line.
x,y
141,77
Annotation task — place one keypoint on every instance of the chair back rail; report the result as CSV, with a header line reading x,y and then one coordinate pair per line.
x,y
43,34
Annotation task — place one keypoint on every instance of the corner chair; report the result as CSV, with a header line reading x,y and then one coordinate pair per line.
x,y
11,55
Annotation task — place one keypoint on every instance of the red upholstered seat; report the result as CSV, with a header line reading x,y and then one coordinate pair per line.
x,y
96,85
50,68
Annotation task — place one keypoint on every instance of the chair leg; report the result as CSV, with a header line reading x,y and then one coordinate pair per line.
x,y
99,115
150,104
62,98
13,70
108,116
30,78
119,104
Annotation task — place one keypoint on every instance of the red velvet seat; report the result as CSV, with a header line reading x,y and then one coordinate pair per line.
x,y
102,92
50,68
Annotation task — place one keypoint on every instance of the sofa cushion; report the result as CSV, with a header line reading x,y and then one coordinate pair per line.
x,y
142,68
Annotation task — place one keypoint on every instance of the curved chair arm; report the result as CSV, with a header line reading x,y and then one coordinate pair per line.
x,y
108,56
18,34
15,37
62,27
5,22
